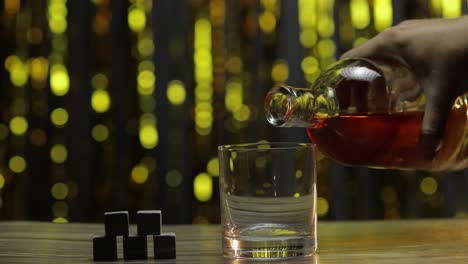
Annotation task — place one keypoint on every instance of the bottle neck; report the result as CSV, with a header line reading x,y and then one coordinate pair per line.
x,y
352,86
287,106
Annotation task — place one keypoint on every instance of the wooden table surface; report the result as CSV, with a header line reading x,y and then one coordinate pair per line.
x,y
414,241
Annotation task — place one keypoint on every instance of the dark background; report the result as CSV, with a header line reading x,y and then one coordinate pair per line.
x,y
120,105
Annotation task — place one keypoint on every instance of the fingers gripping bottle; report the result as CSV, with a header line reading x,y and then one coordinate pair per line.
x,y
363,113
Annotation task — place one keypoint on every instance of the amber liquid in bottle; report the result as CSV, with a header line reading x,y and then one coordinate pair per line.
x,y
387,140
365,114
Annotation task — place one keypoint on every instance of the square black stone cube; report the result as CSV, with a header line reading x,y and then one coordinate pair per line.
x,y
149,222
104,248
116,223
135,247
164,246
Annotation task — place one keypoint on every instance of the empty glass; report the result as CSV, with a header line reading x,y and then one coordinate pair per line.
x,y
268,196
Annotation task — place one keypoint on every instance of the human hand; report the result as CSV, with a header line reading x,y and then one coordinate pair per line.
x,y
436,52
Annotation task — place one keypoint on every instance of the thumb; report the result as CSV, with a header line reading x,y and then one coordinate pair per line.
x,y
439,101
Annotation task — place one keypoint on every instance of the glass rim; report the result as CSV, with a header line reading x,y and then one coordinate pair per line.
x,y
266,145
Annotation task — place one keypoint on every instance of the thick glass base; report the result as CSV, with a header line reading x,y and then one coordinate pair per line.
x,y
269,243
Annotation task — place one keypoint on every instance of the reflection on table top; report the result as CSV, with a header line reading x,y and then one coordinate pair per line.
x,y
415,241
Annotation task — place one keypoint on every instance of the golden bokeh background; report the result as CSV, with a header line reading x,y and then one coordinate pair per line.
x,y
120,105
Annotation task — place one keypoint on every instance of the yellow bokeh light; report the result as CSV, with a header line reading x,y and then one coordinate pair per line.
x,y
204,106
146,80
17,164
280,72
428,186
437,6
359,41
310,65
360,17
18,125
57,8
242,114
59,191
267,22
326,48
213,167
148,137
203,187
203,93
39,68
19,73
307,11
145,90
308,38
322,206
203,74
203,119
59,80
60,220
173,178
202,34
10,61
325,26
59,117
100,101
145,46
100,133
58,153
99,81
233,97
299,174
136,19
383,14
176,92
451,9
202,131
202,58
2,181
57,24
140,174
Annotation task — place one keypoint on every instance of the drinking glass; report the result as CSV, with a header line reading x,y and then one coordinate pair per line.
x,y
268,200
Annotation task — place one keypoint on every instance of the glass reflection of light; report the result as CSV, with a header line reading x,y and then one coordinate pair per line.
x,y
360,74
314,259
235,246
331,92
